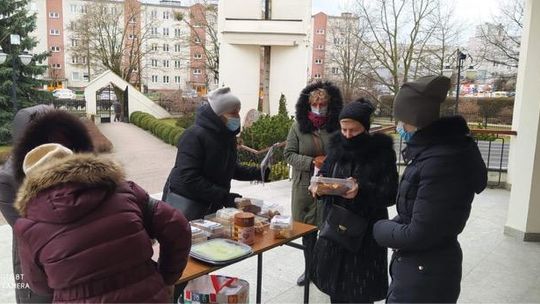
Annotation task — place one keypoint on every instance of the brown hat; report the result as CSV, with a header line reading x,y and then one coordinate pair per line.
x,y
418,102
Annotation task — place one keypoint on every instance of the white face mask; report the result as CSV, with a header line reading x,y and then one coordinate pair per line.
x,y
320,111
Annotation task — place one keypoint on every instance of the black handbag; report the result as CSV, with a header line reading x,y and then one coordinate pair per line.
x,y
343,227
190,208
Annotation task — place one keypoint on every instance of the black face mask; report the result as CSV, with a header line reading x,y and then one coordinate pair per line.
x,y
355,141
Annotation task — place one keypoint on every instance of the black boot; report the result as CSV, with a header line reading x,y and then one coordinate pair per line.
x,y
301,280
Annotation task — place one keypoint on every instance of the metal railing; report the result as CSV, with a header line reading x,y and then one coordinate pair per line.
x,y
494,147
251,157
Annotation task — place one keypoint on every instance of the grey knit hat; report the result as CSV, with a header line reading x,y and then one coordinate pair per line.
x,y
223,101
418,102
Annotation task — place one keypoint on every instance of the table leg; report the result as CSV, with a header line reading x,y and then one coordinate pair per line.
x,y
259,277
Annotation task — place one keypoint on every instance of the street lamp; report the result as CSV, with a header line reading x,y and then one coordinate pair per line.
x,y
460,59
25,59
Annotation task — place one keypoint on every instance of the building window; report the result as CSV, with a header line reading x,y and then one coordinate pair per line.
x,y
320,47
74,42
317,76
166,14
85,76
154,31
54,32
75,76
320,31
337,41
153,14
83,59
54,15
176,79
166,31
154,46
55,49
165,79
165,47
177,48
132,36
165,63
114,11
154,78
197,56
73,8
75,60
196,71
132,20
83,9
154,63
318,61
56,66
177,32
197,40
335,70
177,64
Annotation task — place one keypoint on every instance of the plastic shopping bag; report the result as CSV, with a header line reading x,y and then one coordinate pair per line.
x,y
216,289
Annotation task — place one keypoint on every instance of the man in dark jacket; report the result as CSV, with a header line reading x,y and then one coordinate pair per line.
x,y
444,171
32,127
207,158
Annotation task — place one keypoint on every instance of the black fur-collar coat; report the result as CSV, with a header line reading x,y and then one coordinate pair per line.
x,y
334,107
362,276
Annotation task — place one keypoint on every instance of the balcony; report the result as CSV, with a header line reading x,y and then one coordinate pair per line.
x,y
277,32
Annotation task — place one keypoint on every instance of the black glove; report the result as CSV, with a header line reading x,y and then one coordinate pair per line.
x,y
267,175
229,200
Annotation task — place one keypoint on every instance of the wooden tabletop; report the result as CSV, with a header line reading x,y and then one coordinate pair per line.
x,y
263,242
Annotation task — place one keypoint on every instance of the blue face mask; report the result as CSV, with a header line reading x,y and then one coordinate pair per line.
x,y
406,136
320,111
233,123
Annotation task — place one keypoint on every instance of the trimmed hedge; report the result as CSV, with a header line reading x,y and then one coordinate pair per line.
x,y
158,128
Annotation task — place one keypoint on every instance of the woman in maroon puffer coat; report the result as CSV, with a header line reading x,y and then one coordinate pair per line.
x,y
82,235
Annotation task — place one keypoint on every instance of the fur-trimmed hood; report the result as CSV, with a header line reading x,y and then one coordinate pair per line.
x,y
334,107
64,189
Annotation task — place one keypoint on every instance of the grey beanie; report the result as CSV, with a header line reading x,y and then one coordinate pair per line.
x,y
418,102
223,101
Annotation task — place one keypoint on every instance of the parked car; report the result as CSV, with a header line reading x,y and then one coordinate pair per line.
x,y
107,94
64,94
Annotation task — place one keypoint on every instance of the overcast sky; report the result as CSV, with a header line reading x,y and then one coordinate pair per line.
x,y
472,12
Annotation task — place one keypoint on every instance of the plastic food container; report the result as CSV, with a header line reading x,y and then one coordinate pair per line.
x,y
213,229
197,235
331,186
262,224
244,228
281,226
227,214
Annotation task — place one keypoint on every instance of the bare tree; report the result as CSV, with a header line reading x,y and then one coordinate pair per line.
x,y
501,38
441,47
202,22
398,32
347,56
111,37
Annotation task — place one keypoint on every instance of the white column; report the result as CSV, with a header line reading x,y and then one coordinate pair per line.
x,y
523,218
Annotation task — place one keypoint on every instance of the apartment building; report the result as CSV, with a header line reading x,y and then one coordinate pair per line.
x,y
326,40
171,51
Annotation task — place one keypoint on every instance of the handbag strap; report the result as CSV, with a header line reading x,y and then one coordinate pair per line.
x,y
148,215
318,145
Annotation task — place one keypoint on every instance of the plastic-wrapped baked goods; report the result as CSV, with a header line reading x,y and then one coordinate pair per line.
x,y
331,186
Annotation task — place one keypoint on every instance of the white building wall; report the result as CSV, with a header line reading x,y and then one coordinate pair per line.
x,y
240,70
288,75
524,209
